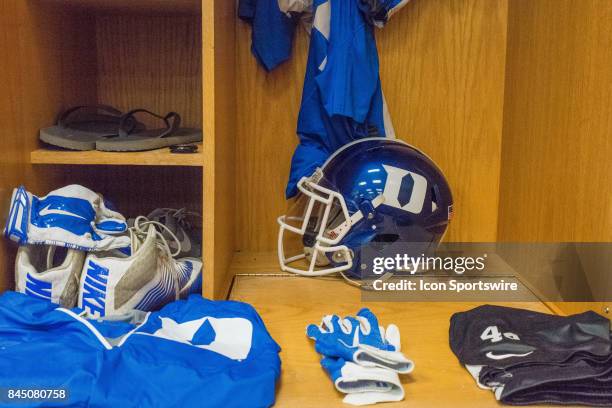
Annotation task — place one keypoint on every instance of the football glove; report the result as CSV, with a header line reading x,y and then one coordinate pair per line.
x,y
72,216
361,340
363,385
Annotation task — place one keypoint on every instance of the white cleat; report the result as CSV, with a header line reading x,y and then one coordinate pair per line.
x,y
49,272
149,278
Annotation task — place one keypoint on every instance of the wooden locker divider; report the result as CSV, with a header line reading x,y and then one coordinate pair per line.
x,y
218,19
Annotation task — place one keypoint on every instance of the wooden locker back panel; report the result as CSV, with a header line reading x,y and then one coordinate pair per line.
x,y
48,66
442,70
556,172
137,190
556,167
152,62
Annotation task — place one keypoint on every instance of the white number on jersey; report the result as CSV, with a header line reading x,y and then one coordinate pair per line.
x,y
493,334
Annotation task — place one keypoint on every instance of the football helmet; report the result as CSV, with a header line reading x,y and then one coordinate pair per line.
x,y
370,191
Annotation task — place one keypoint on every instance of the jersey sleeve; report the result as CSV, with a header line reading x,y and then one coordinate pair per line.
x,y
272,31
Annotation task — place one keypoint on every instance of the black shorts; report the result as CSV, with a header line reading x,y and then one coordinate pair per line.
x,y
528,357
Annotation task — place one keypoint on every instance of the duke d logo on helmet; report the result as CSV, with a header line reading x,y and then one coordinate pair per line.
x,y
399,194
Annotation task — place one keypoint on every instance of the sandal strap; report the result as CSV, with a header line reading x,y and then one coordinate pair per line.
x,y
63,119
127,123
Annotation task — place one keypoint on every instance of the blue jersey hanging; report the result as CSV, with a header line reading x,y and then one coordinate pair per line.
x,y
342,99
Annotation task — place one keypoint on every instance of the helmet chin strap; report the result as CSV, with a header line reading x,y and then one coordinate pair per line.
x,y
369,208
366,210
321,258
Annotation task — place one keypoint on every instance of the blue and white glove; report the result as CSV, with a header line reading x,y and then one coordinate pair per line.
x,y
363,385
72,216
361,340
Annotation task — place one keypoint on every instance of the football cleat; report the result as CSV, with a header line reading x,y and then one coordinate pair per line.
x,y
177,222
49,272
147,279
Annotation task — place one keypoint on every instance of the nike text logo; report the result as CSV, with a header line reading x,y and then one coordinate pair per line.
x,y
93,289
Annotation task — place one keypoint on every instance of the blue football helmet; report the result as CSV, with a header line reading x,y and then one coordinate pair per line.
x,y
371,191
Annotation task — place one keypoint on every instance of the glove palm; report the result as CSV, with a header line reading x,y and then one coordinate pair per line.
x,y
363,385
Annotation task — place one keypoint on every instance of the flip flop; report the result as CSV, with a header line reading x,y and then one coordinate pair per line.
x,y
130,139
80,127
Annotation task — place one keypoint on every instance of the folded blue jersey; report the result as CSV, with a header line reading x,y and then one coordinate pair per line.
x,y
194,352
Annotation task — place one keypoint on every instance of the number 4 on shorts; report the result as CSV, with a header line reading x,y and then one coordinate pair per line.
x,y
493,334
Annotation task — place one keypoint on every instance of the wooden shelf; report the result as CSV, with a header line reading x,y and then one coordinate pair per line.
x,y
160,157
265,263
288,304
